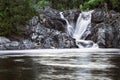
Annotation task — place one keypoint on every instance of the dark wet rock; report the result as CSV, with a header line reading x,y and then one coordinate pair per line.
x,y
48,30
4,40
98,16
107,32
65,41
27,44
12,45
34,21
102,35
41,38
2,47
114,15
50,18
50,12
71,15
50,38
116,32
5,43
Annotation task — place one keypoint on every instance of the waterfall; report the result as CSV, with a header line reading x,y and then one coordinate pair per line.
x,y
82,30
83,22
70,28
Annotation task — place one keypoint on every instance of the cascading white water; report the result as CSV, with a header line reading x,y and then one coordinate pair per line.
x,y
83,22
70,29
82,30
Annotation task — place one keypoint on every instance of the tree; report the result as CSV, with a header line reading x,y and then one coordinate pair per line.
x,y
13,14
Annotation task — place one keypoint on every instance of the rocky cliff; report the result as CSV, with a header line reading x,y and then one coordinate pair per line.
x,y
48,30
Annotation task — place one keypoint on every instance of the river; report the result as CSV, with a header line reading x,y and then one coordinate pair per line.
x,y
60,64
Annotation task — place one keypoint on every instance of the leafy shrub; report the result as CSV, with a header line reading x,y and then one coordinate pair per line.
x,y
42,3
39,4
83,4
14,14
115,4
65,4
91,4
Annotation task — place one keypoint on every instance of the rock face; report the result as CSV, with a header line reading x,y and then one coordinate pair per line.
x,y
40,38
3,41
12,45
50,38
71,16
42,32
48,30
106,29
50,18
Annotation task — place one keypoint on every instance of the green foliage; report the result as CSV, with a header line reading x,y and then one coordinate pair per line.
x,y
115,4
81,4
65,4
42,3
13,14
38,4
89,4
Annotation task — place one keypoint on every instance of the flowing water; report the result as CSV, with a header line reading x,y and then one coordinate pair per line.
x,y
70,29
90,63
60,64
81,30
